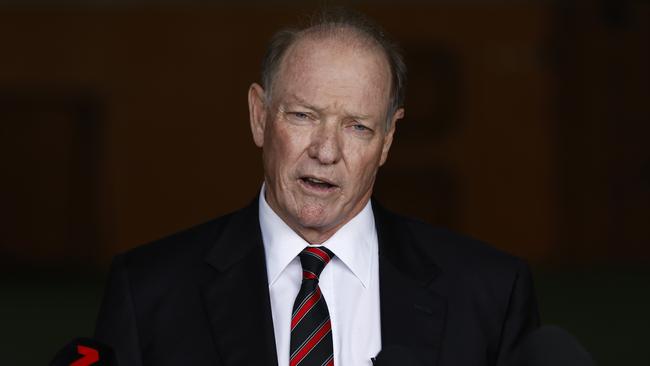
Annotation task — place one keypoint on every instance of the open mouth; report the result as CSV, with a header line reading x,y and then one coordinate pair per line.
x,y
316,183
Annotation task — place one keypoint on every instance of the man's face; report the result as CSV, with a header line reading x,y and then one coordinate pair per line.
x,y
323,133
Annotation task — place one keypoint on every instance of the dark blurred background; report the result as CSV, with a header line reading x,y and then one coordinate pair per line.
x,y
527,126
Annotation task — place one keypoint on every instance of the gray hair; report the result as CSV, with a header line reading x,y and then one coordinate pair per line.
x,y
329,22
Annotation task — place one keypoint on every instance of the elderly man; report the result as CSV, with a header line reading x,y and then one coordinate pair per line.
x,y
314,272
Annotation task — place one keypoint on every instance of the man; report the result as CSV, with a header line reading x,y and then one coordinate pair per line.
x,y
314,272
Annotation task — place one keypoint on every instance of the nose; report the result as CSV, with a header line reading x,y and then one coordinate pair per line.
x,y
325,145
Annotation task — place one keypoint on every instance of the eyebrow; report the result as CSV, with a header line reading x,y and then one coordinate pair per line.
x,y
307,105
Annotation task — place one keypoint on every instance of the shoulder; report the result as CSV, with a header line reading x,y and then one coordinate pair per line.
x,y
470,271
453,253
454,249
175,256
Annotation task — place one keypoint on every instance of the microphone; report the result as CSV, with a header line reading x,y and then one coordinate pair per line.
x,y
394,355
85,352
552,345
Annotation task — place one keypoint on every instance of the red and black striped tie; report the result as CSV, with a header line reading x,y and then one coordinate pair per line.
x,y
311,329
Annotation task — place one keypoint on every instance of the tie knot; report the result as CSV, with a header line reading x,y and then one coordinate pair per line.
x,y
313,260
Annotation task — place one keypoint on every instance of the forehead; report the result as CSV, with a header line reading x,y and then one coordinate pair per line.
x,y
335,70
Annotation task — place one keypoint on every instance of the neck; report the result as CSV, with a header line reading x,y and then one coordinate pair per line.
x,y
316,234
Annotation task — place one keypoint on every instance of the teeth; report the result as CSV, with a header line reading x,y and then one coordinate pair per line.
x,y
317,181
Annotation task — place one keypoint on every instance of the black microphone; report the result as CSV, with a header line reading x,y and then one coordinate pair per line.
x,y
552,345
85,352
394,355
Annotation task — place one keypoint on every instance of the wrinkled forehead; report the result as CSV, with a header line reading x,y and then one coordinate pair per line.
x,y
318,65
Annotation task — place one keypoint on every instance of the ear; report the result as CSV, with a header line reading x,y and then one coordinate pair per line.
x,y
257,112
388,138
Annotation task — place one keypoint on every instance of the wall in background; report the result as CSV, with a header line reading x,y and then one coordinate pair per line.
x,y
526,125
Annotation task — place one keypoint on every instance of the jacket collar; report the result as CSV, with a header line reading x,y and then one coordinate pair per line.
x,y
412,312
235,293
402,248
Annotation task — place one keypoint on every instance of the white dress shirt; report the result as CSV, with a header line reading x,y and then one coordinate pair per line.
x,y
349,283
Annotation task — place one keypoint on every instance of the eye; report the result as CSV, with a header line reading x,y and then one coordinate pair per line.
x,y
299,115
360,128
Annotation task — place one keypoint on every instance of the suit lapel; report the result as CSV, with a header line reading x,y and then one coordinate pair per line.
x,y
412,313
236,296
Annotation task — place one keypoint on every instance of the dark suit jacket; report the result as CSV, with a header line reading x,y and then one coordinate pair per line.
x,y
201,297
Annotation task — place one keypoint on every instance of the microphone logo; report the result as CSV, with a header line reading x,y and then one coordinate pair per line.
x,y
89,356
85,352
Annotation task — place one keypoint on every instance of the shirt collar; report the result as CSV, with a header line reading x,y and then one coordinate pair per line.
x,y
353,244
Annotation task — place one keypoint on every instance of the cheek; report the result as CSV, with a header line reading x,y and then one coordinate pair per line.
x,y
364,162
284,150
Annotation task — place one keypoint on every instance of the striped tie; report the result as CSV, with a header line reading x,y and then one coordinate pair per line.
x,y
311,329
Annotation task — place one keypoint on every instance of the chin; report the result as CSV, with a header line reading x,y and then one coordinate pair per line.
x,y
314,216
